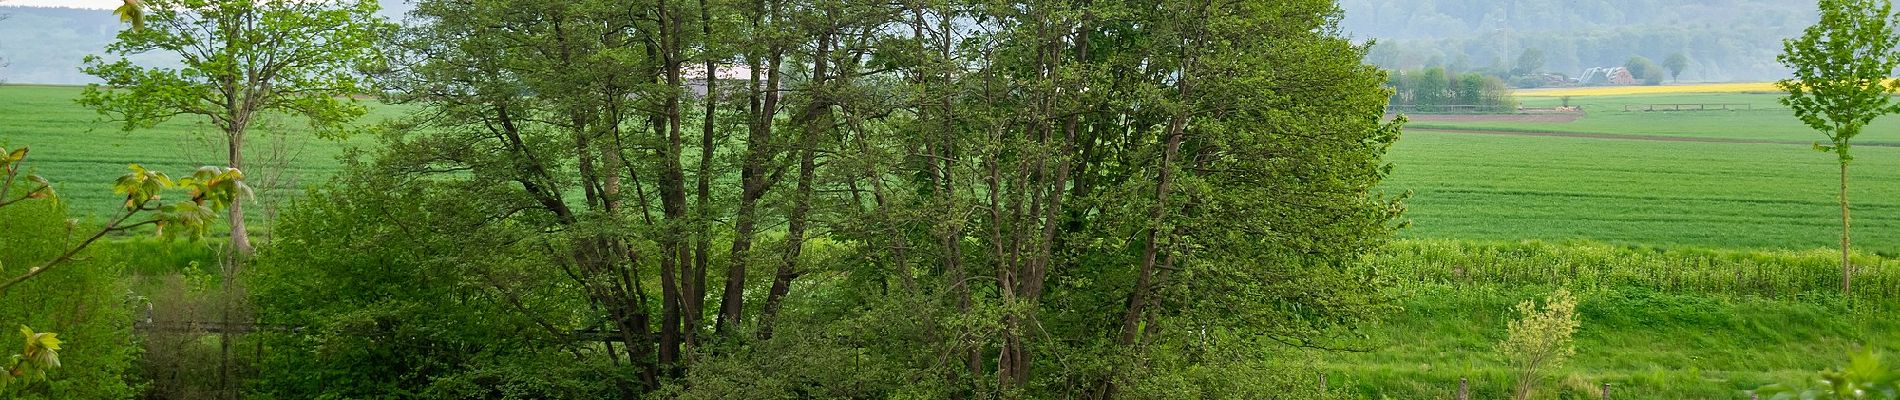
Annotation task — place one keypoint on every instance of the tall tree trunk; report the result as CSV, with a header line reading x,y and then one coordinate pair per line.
x,y
240,236
794,244
702,246
754,185
1138,301
818,123
234,258
1847,264
675,257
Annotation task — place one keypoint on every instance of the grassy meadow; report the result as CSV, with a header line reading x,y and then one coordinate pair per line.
x,y
1504,187
1766,120
82,153
1700,245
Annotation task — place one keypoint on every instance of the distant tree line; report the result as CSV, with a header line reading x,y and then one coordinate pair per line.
x,y
1437,19
1731,40
1437,90
1709,56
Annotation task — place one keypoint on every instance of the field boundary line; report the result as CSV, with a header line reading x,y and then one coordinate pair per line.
x,y
1636,137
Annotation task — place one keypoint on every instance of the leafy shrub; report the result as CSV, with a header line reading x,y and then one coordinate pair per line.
x,y
1864,377
85,302
1540,340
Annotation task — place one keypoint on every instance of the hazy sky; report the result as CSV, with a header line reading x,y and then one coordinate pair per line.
x,y
99,4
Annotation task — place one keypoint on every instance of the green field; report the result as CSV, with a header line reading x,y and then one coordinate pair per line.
x,y
82,153
1499,180
1688,323
1484,186
1767,120
1464,185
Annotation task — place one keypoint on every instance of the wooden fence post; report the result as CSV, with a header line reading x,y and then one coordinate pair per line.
x,y
1606,391
1464,389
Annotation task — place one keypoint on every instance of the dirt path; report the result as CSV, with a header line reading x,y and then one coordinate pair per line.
x,y
1525,117
1653,138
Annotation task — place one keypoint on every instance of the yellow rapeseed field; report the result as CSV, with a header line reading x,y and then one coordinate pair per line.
x,y
1747,87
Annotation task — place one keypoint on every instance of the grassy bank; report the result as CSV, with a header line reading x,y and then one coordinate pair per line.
x,y
1651,328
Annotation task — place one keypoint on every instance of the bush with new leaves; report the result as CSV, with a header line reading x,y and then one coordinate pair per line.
x,y
1864,377
51,282
1540,340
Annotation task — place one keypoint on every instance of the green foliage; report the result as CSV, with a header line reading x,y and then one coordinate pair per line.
x,y
1539,340
38,355
452,311
1433,90
84,300
291,57
1645,70
1531,61
1676,63
1864,377
915,170
1841,66
209,190
1841,84
131,12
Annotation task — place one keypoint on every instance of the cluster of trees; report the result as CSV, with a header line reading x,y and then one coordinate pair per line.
x,y
800,198
1651,73
1437,90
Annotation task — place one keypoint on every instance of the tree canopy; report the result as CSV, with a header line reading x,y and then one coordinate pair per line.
x,y
845,198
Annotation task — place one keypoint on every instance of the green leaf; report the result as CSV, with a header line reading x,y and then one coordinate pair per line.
x,y
132,13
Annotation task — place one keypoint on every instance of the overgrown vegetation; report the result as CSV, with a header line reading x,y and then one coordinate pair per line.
x,y
1864,377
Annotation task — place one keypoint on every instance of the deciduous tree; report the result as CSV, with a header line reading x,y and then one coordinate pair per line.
x,y
1676,63
243,60
1841,83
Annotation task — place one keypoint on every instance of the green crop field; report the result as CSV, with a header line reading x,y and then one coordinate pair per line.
x,y
1765,120
1464,185
82,153
1488,186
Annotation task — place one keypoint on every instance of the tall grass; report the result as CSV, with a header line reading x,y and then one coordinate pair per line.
x,y
1780,275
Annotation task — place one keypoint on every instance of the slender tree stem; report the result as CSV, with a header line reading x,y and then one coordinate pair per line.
x,y
1847,265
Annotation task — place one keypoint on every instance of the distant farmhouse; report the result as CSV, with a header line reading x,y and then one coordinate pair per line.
x,y
1608,76
728,77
